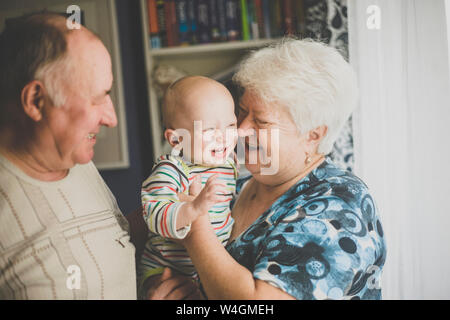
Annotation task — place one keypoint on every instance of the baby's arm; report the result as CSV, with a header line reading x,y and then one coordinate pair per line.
x,y
164,213
160,200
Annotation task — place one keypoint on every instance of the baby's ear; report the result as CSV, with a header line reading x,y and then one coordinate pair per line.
x,y
171,137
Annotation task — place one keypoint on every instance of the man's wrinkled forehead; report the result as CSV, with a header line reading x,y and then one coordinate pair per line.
x,y
78,38
91,63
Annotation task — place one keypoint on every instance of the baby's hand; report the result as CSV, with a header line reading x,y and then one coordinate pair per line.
x,y
213,192
196,186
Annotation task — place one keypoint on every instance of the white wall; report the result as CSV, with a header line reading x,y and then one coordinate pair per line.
x,y
402,148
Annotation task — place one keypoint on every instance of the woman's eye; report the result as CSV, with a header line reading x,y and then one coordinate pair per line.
x,y
261,121
242,111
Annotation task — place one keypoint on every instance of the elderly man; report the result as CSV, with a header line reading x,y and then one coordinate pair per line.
x,y
62,235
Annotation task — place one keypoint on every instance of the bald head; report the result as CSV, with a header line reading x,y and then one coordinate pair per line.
x,y
185,96
32,47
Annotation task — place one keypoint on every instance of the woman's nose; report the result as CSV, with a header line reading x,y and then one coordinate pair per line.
x,y
245,128
109,118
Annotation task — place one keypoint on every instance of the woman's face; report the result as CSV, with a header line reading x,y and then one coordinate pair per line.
x,y
274,150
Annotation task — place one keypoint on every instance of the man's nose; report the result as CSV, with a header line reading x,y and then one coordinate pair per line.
x,y
109,118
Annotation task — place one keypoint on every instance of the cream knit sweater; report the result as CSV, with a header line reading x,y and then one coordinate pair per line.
x,y
63,240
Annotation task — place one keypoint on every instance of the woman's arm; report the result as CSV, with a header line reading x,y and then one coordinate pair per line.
x,y
222,277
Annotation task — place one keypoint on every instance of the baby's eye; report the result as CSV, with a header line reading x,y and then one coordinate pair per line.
x,y
208,133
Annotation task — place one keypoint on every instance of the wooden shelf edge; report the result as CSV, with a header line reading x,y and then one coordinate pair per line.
x,y
211,47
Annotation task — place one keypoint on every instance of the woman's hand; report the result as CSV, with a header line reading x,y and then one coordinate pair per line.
x,y
171,286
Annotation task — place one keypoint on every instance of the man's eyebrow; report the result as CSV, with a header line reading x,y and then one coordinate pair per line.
x,y
108,91
103,94
110,87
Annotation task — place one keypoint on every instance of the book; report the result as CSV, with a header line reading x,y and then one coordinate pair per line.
x,y
155,41
171,23
232,19
222,19
183,22
266,19
288,17
203,25
252,20
214,21
192,21
300,23
161,22
244,20
257,6
276,20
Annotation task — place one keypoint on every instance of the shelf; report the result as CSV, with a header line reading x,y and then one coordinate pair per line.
x,y
211,47
216,60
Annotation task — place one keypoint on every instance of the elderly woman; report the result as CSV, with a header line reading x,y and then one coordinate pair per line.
x,y
310,230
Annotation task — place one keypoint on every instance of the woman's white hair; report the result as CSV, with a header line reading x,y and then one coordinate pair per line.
x,y
311,79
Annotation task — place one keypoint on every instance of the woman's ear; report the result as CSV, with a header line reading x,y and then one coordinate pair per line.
x,y
33,99
316,135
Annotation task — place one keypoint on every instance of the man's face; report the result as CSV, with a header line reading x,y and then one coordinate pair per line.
x,y
71,129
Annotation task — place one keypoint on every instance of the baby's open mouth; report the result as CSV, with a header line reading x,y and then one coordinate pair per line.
x,y
219,152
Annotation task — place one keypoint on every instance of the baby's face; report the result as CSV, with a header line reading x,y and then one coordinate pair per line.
x,y
208,116
218,134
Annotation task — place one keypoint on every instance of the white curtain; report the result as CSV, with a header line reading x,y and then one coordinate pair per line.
x,y
401,136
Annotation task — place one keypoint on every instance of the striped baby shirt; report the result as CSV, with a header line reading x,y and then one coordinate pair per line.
x,y
171,175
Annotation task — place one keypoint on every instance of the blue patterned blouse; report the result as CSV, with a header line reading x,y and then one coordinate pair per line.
x,y
322,239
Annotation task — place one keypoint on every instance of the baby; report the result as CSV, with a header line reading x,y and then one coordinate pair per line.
x,y
198,113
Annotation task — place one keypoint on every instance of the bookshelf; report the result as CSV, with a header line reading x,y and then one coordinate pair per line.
x,y
211,47
210,59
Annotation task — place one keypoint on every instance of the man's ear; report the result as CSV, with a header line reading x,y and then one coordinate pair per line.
x,y
33,99
316,135
172,137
